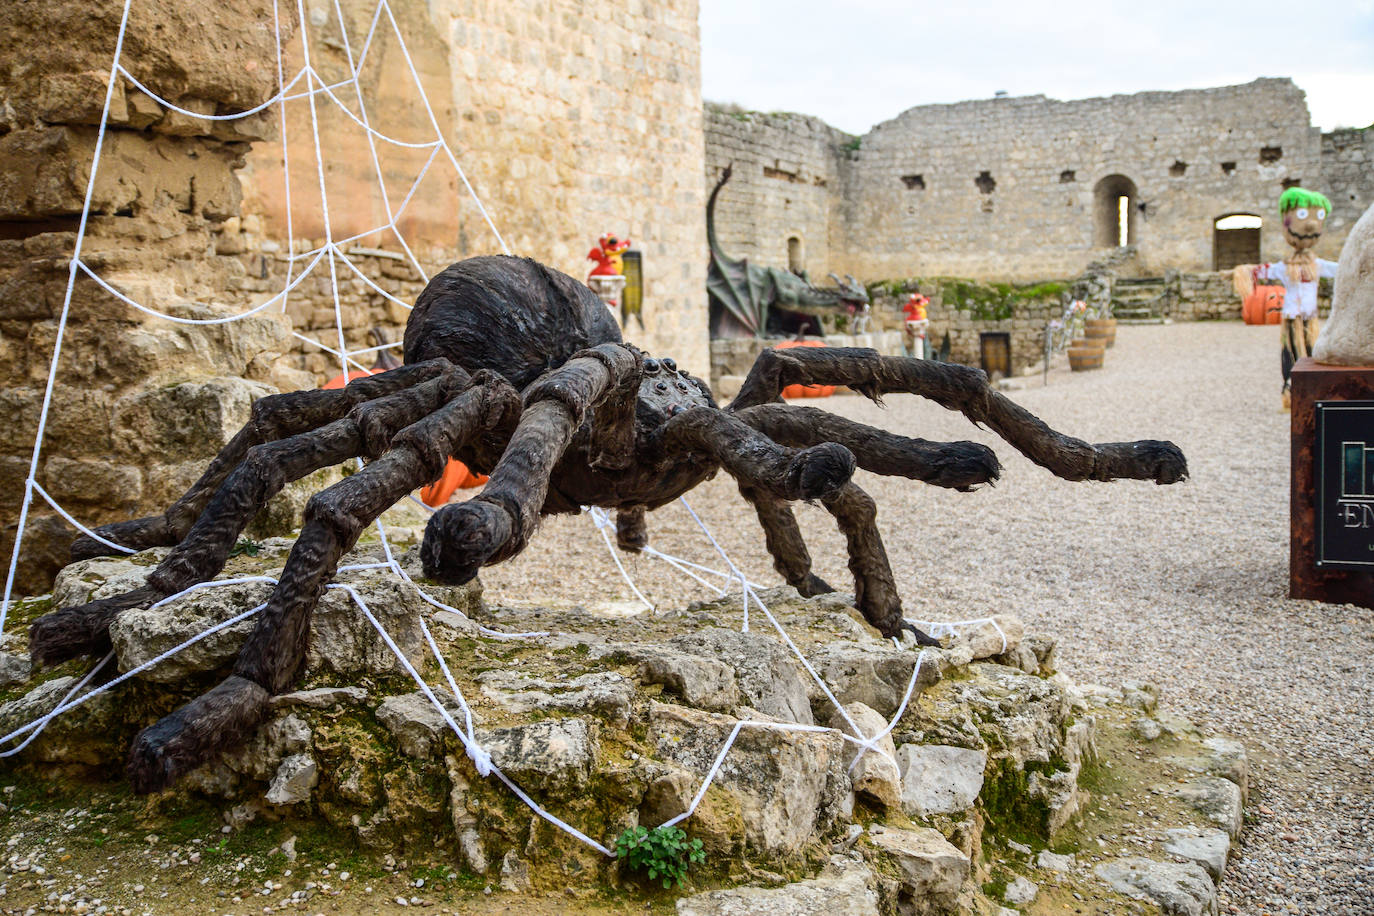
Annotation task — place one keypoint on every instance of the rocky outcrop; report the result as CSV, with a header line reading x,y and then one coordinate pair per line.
x,y
610,727
1178,890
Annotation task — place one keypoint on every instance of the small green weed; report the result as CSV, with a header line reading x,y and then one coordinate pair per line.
x,y
245,548
665,852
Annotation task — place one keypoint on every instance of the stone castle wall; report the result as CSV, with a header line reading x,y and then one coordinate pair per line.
x,y
1347,177
784,173
1008,188
569,120
139,403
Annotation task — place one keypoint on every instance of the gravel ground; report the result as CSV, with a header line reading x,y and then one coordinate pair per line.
x,y
1183,586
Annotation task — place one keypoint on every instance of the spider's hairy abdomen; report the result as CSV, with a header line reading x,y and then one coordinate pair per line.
x,y
511,315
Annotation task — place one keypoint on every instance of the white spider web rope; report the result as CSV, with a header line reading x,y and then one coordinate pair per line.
x,y
316,87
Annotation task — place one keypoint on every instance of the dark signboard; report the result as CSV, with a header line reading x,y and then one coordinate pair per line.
x,y
1345,484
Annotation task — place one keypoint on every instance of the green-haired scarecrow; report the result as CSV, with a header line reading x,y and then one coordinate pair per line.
x,y
1304,215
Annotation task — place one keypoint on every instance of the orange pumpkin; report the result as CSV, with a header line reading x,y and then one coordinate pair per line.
x,y
1263,306
456,475
804,391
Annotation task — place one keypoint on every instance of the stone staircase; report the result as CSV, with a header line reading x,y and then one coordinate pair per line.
x,y
1139,300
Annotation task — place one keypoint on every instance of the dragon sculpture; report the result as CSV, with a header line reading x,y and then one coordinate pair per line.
x,y
743,296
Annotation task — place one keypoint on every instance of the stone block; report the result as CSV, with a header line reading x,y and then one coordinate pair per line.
x,y
103,483
939,779
930,869
186,420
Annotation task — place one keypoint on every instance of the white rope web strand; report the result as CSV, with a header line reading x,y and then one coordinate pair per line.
x,y
307,85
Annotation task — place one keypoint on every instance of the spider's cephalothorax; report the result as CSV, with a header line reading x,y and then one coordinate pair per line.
x,y
520,372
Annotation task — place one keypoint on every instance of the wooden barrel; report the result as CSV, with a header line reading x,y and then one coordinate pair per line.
x,y
1082,359
1103,329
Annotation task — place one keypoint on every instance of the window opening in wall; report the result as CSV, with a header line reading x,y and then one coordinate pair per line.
x,y
782,174
1236,240
985,182
914,182
1270,154
1292,183
1116,213
796,259
1178,169
1067,176
1228,168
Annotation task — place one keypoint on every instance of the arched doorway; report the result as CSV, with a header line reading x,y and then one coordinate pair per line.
x,y
796,257
1236,240
1115,212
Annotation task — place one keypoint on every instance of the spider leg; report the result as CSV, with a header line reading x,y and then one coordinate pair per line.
x,y
274,417
875,592
966,390
755,460
274,653
631,532
784,541
855,513
266,468
957,465
497,523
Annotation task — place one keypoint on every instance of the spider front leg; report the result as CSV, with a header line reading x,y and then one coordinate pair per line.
x,y
956,465
274,653
784,540
966,390
497,523
266,468
755,460
875,592
274,417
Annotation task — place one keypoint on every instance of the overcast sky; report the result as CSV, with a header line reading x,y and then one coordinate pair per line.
x,y
865,61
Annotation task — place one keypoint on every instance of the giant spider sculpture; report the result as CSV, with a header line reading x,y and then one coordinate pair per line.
x,y
519,371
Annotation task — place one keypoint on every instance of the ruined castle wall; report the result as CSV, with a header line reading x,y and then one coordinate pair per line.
x,y
570,121
782,186
1011,189
1191,156
1347,177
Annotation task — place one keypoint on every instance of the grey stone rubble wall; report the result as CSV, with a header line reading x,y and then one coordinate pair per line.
x,y
1026,326
1347,177
1038,221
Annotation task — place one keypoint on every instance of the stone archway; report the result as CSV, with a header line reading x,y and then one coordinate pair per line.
x,y
1116,212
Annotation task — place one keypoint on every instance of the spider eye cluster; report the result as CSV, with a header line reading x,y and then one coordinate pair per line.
x,y
666,391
